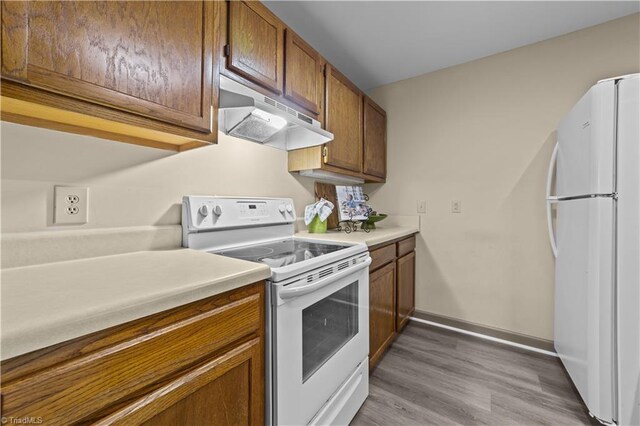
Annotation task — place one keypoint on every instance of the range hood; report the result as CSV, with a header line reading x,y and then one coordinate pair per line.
x,y
248,114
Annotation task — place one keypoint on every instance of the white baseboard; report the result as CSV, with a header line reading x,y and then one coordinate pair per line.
x,y
484,336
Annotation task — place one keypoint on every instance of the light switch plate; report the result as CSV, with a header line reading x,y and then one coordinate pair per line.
x,y
456,206
422,206
70,205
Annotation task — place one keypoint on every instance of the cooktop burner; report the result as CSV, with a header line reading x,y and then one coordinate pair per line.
x,y
282,253
249,253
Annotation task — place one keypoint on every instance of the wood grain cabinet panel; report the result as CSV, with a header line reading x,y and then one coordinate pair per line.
x,y
375,140
382,295
149,58
359,126
406,246
303,74
197,364
391,294
344,120
256,44
406,289
381,256
224,391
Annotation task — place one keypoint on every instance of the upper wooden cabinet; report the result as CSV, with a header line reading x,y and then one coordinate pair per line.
x,y
375,139
303,74
343,119
146,63
359,127
256,44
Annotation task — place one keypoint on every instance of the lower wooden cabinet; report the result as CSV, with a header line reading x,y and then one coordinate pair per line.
x,y
391,294
199,364
382,327
405,294
217,393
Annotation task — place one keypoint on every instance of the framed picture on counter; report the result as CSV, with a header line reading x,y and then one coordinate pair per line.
x,y
351,203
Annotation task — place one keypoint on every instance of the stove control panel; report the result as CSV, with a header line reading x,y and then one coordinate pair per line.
x,y
253,209
202,213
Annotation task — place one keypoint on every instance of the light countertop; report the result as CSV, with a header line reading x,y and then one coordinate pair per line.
x,y
50,303
376,236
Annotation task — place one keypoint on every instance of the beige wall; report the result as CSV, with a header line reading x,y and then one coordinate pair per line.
x,y
131,185
482,133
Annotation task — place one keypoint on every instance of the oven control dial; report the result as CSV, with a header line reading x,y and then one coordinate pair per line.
x,y
289,208
204,211
217,210
281,208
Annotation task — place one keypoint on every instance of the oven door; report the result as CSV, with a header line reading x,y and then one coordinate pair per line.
x,y
322,335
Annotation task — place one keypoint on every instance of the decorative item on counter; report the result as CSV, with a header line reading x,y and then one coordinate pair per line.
x,y
316,214
353,209
374,217
352,203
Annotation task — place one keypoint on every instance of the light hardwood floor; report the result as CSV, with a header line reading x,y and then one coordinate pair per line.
x,y
432,376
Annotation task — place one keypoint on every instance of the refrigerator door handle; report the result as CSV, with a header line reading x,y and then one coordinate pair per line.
x,y
551,200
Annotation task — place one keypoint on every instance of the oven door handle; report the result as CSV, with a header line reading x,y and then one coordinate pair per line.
x,y
290,293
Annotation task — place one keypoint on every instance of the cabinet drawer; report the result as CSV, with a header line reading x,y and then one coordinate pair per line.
x,y
76,389
406,246
382,256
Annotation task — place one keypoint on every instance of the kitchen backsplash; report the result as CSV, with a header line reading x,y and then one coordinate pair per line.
x,y
131,185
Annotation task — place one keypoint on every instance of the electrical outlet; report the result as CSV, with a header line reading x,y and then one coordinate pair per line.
x,y
422,206
456,206
70,205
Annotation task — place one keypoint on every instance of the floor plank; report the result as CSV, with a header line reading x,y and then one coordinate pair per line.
x,y
432,376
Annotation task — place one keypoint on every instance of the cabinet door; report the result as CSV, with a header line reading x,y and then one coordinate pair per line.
x,y
375,139
382,296
303,76
153,59
406,289
227,390
256,44
344,120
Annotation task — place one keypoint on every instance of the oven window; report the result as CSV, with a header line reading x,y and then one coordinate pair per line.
x,y
328,325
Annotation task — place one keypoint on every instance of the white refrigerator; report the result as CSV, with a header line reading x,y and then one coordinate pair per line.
x,y
597,248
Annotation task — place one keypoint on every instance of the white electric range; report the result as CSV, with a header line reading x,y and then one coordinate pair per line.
x,y
317,311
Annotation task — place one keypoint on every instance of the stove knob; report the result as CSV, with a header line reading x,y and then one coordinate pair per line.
x,y
289,208
281,208
217,210
204,211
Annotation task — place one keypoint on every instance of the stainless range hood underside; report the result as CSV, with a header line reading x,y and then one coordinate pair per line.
x,y
247,114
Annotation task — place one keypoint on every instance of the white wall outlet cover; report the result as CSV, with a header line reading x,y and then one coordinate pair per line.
x,y
70,205
456,206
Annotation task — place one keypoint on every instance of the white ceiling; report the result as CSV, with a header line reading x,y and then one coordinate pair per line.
x,y
379,42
